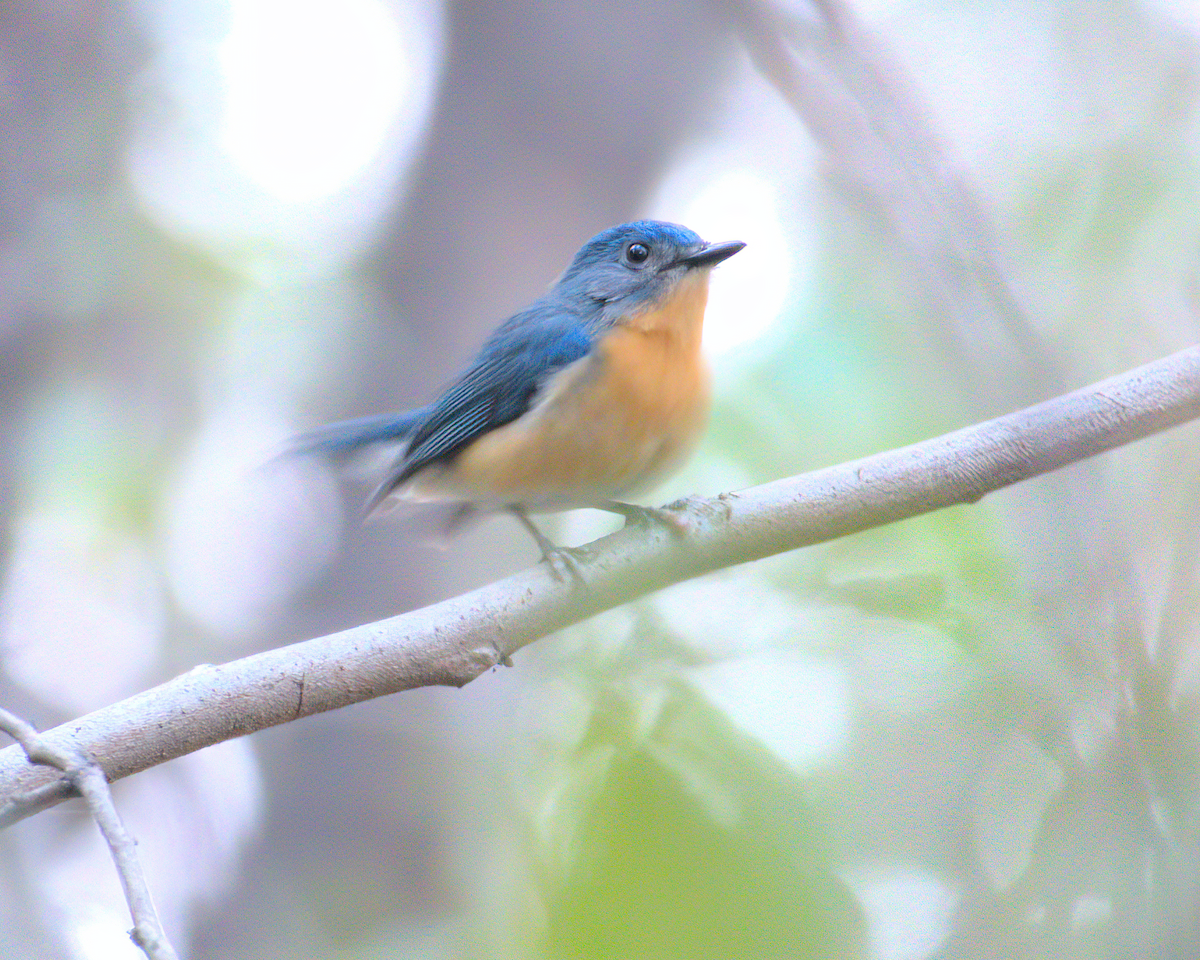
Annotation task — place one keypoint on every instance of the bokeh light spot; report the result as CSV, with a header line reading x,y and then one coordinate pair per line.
x,y
311,88
749,292
81,612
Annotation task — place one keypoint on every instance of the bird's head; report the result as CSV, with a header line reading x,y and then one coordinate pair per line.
x,y
638,266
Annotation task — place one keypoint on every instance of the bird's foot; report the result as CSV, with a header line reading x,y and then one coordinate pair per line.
x,y
669,516
678,516
562,561
564,564
720,506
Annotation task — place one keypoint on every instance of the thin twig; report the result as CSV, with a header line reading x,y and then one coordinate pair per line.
x,y
86,777
455,641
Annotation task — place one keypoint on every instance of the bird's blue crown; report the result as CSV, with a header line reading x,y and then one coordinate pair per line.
x,y
606,246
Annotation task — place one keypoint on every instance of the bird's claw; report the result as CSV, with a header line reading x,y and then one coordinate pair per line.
x,y
564,565
678,513
638,515
562,561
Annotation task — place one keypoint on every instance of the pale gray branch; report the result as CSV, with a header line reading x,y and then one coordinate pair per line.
x,y
88,779
455,641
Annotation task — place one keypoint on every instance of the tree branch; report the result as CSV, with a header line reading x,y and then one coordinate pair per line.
x,y
88,779
454,641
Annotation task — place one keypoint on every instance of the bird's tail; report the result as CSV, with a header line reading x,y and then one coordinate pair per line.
x,y
347,437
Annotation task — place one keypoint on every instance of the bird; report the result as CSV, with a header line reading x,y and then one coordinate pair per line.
x,y
591,394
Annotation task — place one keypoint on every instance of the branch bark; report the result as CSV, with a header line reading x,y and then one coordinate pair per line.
x,y
454,641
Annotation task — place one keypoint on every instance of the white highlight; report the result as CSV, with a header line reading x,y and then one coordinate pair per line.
x,y
81,611
749,292
289,125
753,181
795,706
311,88
244,533
909,911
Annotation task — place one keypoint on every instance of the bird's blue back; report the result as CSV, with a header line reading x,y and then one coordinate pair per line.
x,y
502,382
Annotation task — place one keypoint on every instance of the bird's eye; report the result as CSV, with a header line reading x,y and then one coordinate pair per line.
x,y
637,253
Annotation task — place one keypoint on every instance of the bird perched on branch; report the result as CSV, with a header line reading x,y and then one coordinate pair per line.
x,y
592,393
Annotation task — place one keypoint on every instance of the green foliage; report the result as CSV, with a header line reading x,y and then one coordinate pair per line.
x,y
696,843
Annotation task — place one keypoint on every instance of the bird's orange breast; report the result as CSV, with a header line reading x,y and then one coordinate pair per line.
x,y
608,425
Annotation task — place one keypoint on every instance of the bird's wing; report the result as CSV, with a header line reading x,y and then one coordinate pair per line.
x,y
500,385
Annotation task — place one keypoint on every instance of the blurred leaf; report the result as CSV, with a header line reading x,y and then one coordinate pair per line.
x,y
1016,786
902,594
697,843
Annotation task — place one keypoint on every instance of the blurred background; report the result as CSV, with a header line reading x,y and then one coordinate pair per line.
x,y
973,734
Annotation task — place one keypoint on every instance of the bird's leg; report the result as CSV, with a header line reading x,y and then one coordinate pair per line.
x,y
643,516
557,557
462,514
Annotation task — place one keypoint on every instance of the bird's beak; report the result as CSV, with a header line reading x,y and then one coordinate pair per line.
x,y
711,254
